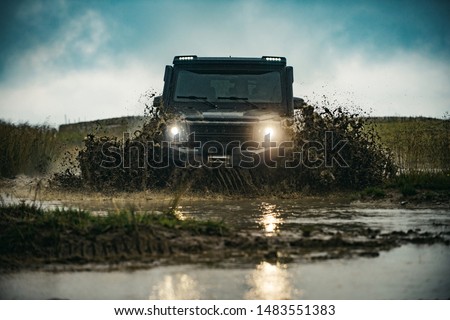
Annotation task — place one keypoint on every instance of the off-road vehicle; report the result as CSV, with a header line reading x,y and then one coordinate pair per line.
x,y
228,110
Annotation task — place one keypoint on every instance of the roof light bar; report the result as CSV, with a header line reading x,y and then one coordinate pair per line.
x,y
272,58
185,58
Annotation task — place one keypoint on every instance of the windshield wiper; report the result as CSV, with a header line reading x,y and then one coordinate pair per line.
x,y
202,99
243,99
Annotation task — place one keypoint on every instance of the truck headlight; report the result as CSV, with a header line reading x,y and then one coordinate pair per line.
x,y
269,131
174,130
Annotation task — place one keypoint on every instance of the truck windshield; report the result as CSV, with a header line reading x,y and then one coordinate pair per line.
x,y
263,87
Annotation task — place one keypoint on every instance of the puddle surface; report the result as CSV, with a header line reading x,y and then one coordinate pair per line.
x,y
406,272
284,216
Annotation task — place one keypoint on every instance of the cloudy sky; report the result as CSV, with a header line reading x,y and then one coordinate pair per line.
x,y
63,60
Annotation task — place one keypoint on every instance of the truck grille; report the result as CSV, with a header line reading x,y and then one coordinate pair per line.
x,y
221,132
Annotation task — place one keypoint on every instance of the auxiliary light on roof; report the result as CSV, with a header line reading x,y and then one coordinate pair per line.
x,y
272,58
185,58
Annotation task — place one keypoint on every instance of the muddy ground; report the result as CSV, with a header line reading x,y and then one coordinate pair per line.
x,y
146,245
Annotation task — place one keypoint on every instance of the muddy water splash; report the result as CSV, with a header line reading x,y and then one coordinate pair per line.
x,y
360,160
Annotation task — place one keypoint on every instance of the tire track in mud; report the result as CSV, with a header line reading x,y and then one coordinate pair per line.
x,y
150,244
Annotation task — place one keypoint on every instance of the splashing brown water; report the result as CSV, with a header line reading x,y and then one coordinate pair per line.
x,y
360,162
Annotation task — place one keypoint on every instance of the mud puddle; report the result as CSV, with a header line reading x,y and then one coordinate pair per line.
x,y
289,216
295,249
407,272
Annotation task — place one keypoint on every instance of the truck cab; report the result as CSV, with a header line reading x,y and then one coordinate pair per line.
x,y
227,109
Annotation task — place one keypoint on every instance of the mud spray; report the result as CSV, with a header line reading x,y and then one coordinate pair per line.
x,y
362,161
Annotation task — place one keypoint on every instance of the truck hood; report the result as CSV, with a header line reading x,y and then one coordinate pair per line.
x,y
252,115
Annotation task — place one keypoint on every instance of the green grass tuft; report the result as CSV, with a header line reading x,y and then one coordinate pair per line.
x,y
374,192
437,181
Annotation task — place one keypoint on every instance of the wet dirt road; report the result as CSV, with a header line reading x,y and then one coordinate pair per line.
x,y
415,266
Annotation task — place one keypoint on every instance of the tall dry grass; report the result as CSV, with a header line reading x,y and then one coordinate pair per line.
x,y
418,144
26,149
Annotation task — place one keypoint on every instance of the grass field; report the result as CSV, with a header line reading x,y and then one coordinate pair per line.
x,y
418,144
34,149
26,149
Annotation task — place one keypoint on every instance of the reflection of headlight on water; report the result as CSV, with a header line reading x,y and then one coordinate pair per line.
x,y
270,281
179,286
270,219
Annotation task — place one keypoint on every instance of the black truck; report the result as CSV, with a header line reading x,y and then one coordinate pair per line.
x,y
228,110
